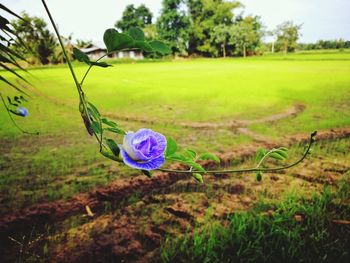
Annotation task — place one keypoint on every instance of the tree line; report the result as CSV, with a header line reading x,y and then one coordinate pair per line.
x,y
208,28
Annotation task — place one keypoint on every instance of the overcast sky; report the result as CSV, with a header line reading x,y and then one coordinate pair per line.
x,y
87,19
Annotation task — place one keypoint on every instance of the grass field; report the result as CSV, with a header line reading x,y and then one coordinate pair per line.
x,y
218,105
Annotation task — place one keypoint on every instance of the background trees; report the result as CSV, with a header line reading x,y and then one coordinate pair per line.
x,y
39,40
173,25
287,36
134,17
246,35
205,15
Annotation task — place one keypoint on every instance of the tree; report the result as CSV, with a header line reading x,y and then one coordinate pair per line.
x,y
287,36
172,26
134,17
205,15
246,35
221,35
34,33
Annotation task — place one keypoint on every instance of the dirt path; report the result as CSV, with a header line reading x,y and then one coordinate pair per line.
x,y
288,113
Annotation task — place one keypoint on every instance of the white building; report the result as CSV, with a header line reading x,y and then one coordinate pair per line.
x,y
94,52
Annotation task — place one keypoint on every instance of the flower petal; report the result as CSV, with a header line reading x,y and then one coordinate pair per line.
x,y
143,135
149,165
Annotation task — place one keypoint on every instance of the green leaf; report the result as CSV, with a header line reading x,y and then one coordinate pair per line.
x,y
277,156
209,156
94,111
116,130
260,153
259,176
93,107
283,153
81,56
113,146
109,123
96,126
176,157
115,41
160,47
171,147
100,64
190,154
147,173
198,177
143,46
136,33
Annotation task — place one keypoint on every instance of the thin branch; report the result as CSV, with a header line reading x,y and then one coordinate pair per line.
x,y
274,169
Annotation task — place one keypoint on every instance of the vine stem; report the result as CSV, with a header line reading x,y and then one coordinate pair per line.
x,y
80,91
311,141
13,121
77,84
88,70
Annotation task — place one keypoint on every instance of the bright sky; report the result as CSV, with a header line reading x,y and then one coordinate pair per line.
x,y
87,19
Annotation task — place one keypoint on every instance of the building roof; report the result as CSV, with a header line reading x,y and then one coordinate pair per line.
x,y
92,48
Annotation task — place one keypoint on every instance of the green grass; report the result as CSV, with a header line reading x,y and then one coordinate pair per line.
x,y
260,235
48,166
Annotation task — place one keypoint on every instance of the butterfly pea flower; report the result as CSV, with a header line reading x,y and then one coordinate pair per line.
x,y
144,149
21,111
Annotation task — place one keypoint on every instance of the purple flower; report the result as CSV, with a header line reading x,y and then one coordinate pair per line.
x,y
143,149
21,111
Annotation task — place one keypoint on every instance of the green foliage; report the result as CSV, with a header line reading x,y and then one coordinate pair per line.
x,y
188,157
172,26
299,230
208,156
160,47
133,39
82,57
280,154
287,36
198,177
37,38
245,35
116,41
171,147
134,17
259,176
113,146
8,56
205,16
136,33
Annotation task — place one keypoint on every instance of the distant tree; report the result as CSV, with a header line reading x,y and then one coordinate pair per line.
x,y
134,17
35,34
287,36
172,26
83,43
221,35
205,15
246,35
